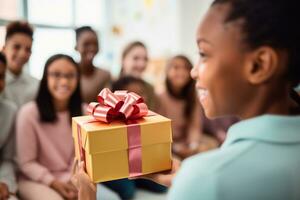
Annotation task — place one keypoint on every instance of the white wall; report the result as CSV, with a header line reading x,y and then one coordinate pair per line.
x,y
155,23
191,12
167,27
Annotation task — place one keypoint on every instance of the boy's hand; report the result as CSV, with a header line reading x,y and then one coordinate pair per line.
x,y
163,178
182,150
86,188
4,192
67,190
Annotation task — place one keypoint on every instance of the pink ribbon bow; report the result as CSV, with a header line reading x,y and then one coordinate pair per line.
x,y
120,105
125,106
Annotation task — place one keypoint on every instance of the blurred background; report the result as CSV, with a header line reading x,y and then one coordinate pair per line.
x,y
167,27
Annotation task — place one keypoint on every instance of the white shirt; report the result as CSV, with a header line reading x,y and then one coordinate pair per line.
x,y
7,143
20,89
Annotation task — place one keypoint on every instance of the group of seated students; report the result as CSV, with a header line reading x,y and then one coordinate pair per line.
x,y
36,145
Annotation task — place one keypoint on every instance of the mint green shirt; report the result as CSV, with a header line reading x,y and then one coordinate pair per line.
x,y
260,160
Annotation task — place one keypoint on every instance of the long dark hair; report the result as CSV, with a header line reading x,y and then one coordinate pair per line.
x,y
44,100
272,23
188,92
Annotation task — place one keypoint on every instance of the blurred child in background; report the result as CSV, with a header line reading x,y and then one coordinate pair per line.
x,y
8,185
20,86
44,137
134,63
178,101
93,79
218,127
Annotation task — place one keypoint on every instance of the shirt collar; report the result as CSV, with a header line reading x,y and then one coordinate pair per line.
x,y
267,128
10,77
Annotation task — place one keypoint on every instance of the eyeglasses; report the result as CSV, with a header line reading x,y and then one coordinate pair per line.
x,y
58,75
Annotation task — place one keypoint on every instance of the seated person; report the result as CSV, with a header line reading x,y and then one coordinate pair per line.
x,y
178,101
45,148
8,185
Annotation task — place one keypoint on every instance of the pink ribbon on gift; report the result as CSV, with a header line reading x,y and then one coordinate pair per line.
x,y
119,105
124,106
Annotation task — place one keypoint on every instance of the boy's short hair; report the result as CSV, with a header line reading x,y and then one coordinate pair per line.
x,y
18,27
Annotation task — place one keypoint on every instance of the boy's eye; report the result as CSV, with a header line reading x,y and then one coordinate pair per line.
x,y
28,50
17,46
202,55
85,45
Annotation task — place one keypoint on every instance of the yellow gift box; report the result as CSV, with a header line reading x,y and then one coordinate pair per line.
x,y
106,146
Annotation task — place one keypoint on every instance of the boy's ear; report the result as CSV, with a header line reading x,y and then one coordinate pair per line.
x,y
262,66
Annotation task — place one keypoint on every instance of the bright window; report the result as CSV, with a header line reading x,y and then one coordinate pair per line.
x,y
89,13
9,9
48,42
54,22
50,12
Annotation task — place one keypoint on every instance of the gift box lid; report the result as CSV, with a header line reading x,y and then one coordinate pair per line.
x,y
100,137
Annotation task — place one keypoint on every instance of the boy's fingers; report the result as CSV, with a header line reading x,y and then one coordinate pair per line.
x,y
81,165
70,187
152,176
74,180
75,165
93,186
73,186
65,192
5,193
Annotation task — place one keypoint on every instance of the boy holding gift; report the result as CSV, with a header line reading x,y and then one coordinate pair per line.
x,y
249,66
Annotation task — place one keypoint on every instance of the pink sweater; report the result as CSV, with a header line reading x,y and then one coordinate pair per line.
x,y
45,150
174,109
